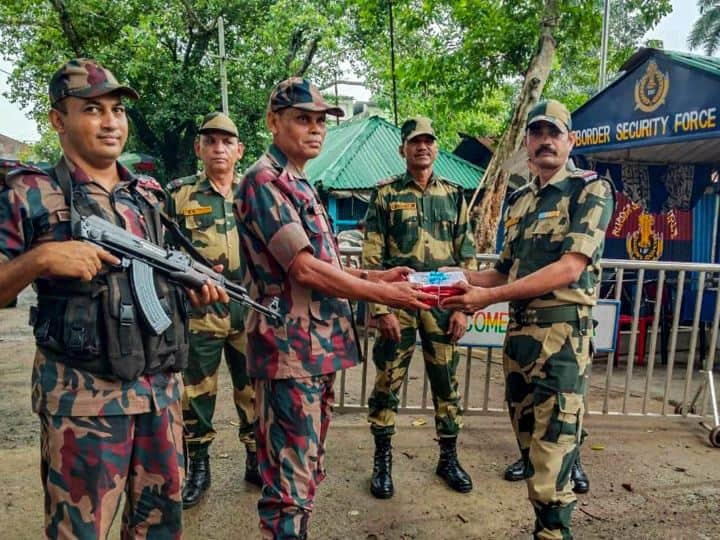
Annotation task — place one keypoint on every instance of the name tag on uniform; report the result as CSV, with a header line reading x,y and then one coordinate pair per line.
x,y
551,214
511,221
403,206
200,210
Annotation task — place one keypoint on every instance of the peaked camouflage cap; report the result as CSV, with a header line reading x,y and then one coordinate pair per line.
x,y
217,121
300,94
413,127
85,78
551,111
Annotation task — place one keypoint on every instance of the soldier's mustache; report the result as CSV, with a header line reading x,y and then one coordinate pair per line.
x,y
544,149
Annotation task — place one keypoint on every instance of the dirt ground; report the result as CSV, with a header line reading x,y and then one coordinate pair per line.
x,y
651,478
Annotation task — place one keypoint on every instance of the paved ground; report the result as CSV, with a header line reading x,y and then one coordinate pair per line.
x,y
651,477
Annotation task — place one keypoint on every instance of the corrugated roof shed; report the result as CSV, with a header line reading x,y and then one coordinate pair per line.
x,y
359,153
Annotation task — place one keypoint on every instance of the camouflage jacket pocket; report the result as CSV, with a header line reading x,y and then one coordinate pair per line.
x,y
200,221
313,218
404,229
549,233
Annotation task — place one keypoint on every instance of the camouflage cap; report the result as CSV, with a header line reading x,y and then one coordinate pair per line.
x,y
300,94
85,78
551,111
416,126
217,121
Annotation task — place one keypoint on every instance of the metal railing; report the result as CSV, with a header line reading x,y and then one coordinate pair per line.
x,y
679,303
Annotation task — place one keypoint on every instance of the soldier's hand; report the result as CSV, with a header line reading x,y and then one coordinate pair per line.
x,y
389,326
456,269
399,273
208,293
72,259
457,326
472,299
404,294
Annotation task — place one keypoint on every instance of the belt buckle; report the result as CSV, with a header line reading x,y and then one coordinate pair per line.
x,y
530,316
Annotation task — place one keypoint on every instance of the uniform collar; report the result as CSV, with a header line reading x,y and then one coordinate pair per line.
x,y
408,180
558,181
280,161
205,184
81,177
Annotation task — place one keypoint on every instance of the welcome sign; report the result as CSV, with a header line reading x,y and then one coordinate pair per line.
x,y
487,327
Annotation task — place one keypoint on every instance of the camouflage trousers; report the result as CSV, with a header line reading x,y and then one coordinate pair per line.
x,y
545,374
293,419
201,386
392,360
87,463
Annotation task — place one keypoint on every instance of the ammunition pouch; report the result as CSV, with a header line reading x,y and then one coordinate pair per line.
x,y
96,327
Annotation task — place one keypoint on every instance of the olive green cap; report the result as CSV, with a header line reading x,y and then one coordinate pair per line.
x,y
551,111
217,121
413,127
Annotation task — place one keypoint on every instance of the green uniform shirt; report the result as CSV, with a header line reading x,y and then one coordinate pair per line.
x,y
423,229
206,217
568,215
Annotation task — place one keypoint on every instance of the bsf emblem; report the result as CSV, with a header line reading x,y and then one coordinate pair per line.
x,y
651,90
645,244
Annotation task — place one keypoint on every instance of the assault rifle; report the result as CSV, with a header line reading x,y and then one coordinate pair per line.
x,y
143,257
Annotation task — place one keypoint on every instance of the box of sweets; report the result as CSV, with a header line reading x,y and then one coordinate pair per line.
x,y
439,284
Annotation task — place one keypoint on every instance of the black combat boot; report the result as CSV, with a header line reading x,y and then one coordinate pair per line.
x,y
580,481
252,474
449,468
197,481
516,471
381,484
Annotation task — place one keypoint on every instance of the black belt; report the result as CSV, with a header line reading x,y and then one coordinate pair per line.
x,y
568,313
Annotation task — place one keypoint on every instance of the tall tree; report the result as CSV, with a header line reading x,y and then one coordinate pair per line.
x,y
167,51
705,32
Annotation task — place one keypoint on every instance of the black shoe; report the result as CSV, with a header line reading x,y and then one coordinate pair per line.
x,y
449,468
252,474
381,484
516,471
580,481
197,481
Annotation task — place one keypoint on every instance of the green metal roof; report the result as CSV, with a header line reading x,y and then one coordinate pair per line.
x,y
359,153
708,64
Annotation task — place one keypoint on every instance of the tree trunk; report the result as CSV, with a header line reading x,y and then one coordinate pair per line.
x,y
485,215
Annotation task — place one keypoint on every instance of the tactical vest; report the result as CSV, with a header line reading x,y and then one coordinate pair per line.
x,y
96,326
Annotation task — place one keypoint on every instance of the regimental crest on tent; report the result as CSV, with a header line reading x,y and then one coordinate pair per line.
x,y
645,244
652,88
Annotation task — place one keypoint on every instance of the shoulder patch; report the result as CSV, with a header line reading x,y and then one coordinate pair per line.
x,y
179,182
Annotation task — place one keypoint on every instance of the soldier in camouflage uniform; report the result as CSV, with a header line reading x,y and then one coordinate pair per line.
x,y
103,432
202,206
417,219
548,271
292,258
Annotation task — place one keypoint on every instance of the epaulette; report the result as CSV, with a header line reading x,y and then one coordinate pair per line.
x,y
149,183
588,176
453,183
26,169
519,192
389,180
179,182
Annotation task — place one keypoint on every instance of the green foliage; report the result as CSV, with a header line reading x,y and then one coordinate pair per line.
x,y
167,51
705,32
462,61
